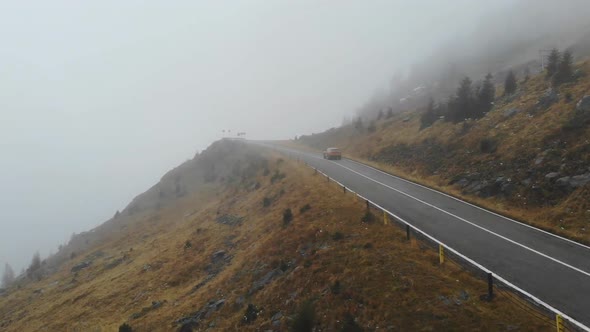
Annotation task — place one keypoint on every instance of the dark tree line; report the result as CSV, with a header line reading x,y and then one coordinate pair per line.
x,y
8,276
471,102
559,67
510,83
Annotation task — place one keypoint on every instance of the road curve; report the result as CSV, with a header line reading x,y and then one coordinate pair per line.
x,y
554,269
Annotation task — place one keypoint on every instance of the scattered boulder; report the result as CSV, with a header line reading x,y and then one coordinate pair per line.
x,y
463,295
551,176
462,183
114,263
573,182
549,97
230,220
265,280
584,104
218,255
511,112
580,180
81,266
155,305
276,319
194,319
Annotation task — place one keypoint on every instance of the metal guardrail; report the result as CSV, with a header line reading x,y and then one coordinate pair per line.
x,y
562,322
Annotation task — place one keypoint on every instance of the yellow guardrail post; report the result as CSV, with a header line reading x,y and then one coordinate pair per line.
x,y
384,217
441,254
559,323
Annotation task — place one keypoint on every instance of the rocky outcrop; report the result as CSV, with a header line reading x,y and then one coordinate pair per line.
x,y
583,105
549,98
511,112
573,182
81,266
193,320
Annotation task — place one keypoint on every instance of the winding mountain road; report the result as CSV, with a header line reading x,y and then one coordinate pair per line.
x,y
553,269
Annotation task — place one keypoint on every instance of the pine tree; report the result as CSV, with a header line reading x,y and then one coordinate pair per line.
x,y
380,115
552,63
430,116
564,69
34,266
485,96
358,124
510,83
389,112
460,106
8,276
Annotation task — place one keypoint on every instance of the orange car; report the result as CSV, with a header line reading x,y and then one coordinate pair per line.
x,y
333,153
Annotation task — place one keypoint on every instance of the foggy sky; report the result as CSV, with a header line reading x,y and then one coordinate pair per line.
x,y
98,101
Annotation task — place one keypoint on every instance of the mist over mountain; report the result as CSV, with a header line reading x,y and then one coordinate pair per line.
x,y
516,37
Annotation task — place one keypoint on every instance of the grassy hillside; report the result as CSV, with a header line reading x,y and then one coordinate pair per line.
x,y
223,256
528,157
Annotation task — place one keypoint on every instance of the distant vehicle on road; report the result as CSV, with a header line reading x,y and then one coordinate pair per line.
x,y
333,153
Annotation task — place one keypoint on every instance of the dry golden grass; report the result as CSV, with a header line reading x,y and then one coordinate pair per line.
x,y
386,281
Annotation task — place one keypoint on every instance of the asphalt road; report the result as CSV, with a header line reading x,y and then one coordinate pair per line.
x,y
551,268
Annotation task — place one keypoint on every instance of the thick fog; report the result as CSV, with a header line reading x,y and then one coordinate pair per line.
x,y
99,100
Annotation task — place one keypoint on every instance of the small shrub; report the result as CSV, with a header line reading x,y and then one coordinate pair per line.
x,y
287,216
368,245
277,176
307,263
251,314
488,145
266,202
188,244
350,325
305,208
337,236
304,321
368,217
568,97
125,328
283,266
335,288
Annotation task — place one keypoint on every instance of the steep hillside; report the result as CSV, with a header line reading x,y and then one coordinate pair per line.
x,y
528,157
224,254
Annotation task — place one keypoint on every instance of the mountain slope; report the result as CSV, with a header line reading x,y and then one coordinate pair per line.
x,y
224,257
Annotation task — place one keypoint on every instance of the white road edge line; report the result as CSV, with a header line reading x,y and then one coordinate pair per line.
x,y
471,223
470,204
506,282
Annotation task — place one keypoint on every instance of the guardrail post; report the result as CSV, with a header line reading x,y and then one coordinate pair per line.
x,y
407,232
367,202
327,177
559,323
441,254
344,189
490,286
315,170
384,217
